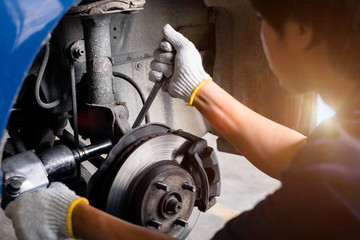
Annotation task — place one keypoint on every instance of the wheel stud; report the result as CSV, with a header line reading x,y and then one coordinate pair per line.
x,y
162,186
154,223
189,187
181,222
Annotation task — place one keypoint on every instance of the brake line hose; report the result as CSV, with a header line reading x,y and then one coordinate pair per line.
x,y
39,79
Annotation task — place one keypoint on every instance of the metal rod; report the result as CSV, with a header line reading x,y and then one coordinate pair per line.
x,y
137,88
98,59
148,102
74,104
97,160
96,149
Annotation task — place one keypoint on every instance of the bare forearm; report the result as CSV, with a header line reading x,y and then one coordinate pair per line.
x,y
90,223
268,145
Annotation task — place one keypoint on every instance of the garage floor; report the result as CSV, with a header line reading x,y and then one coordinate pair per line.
x,y
242,187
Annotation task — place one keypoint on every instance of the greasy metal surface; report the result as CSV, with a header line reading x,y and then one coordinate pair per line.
x,y
160,196
59,162
98,184
94,150
26,167
132,56
106,7
203,165
243,186
241,68
77,51
165,147
75,123
133,39
98,60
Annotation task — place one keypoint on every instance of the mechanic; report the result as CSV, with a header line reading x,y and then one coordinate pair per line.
x,y
310,46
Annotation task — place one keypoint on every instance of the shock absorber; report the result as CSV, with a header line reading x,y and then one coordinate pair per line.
x,y
98,59
95,18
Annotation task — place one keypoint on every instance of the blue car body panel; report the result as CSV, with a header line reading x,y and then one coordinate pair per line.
x,y
24,26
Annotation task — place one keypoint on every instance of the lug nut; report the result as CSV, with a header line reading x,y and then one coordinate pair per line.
x,y
154,223
162,186
181,222
189,187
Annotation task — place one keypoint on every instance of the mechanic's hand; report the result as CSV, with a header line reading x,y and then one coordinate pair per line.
x,y
184,67
43,214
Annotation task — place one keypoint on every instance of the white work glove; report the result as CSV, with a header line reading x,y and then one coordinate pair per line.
x,y
42,214
184,67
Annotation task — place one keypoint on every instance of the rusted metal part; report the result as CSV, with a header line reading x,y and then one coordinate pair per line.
x,y
107,7
201,162
99,183
159,198
98,60
112,123
135,170
150,179
77,51
100,78
132,45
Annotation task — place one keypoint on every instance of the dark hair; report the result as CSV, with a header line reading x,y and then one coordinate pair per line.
x,y
336,22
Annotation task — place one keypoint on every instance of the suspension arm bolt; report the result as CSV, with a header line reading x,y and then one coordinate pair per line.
x,y
162,186
14,185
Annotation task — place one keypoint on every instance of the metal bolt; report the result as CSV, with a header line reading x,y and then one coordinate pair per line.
x,y
162,186
78,52
173,206
138,65
14,185
189,187
154,223
181,222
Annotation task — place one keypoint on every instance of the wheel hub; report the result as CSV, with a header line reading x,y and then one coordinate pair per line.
x,y
162,199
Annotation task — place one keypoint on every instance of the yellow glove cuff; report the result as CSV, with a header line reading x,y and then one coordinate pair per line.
x,y
196,89
69,214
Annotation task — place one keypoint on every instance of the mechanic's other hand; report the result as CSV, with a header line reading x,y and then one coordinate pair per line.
x,y
185,68
43,214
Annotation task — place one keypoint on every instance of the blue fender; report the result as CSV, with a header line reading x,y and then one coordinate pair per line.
x,y
24,26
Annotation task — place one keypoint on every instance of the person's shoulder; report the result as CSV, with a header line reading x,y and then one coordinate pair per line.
x,y
334,142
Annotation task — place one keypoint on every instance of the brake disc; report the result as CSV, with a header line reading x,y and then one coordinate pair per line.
x,y
157,178
151,188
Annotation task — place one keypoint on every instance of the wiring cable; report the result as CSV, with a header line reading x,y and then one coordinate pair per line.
x,y
136,86
74,104
39,79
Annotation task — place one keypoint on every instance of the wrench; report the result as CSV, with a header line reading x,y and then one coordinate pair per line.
x,y
149,101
